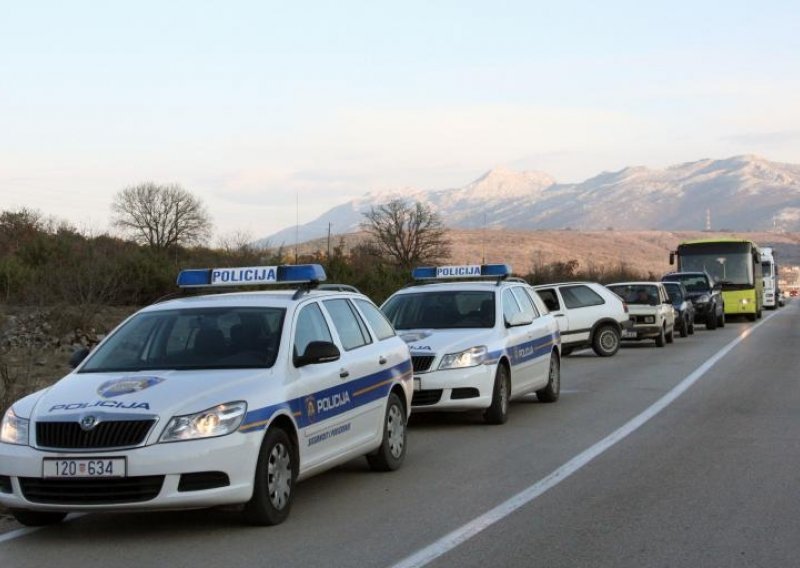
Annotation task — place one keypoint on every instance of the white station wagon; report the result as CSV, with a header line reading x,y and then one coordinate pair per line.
x,y
476,344
212,400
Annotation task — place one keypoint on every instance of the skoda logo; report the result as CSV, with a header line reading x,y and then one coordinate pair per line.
x,y
88,422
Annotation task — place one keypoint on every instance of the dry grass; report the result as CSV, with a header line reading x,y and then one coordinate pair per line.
x,y
644,251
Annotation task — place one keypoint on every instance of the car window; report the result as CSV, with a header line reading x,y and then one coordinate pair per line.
x,y
525,303
311,326
349,326
510,305
674,292
550,299
377,321
641,294
580,297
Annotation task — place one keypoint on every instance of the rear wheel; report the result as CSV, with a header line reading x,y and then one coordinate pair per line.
x,y
273,488
684,326
497,413
392,451
691,328
606,341
551,392
37,518
711,320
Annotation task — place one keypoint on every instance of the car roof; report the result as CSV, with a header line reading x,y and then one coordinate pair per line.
x,y
567,283
636,283
457,285
271,298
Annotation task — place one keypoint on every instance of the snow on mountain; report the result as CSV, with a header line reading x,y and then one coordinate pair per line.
x,y
743,193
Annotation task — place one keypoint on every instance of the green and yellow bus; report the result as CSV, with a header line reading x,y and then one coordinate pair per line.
x,y
733,263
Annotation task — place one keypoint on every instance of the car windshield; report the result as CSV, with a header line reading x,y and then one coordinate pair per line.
x,y
198,338
441,310
643,294
692,282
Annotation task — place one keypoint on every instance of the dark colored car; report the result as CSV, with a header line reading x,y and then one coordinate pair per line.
x,y
684,308
705,294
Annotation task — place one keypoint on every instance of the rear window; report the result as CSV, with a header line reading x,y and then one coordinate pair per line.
x,y
580,297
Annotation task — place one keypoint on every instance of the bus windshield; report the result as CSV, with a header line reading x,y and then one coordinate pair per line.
x,y
729,269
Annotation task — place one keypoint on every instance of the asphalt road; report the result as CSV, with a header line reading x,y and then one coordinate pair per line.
x,y
710,478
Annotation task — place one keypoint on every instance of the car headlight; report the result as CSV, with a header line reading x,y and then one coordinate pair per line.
x,y
745,301
217,421
469,358
14,429
704,299
649,319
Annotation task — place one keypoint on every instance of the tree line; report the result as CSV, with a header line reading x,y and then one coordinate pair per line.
x,y
165,229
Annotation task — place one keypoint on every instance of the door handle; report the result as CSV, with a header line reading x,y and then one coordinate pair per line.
x,y
344,373
382,360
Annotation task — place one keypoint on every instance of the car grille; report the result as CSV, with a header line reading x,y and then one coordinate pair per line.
x,y
426,397
91,491
111,434
421,363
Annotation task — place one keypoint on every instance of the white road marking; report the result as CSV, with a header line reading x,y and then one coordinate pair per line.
x,y
477,525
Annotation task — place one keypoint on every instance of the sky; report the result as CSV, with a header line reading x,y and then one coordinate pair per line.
x,y
273,112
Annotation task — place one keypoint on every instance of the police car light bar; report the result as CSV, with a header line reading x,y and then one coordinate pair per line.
x,y
251,275
461,271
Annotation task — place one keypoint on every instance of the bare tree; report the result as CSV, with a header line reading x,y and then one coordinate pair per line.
x,y
161,216
409,234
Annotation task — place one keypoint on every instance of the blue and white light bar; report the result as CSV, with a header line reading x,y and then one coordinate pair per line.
x,y
461,271
251,275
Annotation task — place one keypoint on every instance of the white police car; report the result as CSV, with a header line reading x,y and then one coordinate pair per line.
x,y
476,344
211,400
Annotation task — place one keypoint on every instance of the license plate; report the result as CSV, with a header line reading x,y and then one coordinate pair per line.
x,y
83,467
417,384
628,334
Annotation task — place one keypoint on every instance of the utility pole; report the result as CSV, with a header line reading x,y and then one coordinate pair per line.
x,y
329,241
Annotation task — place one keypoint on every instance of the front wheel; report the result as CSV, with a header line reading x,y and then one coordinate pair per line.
x,y
606,341
392,451
661,339
691,328
670,337
721,320
497,413
551,392
273,488
711,321
684,327
37,518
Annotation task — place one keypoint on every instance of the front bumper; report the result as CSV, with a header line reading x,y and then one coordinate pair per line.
x,y
454,389
234,455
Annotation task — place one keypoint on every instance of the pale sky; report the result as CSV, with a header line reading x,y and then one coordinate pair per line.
x,y
254,106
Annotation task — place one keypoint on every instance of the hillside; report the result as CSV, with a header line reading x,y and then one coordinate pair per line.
x,y
743,193
642,250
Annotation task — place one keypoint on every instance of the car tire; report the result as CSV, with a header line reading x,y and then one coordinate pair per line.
x,y
551,392
661,339
684,331
497,413
37,518
670,337
392,451
691,328
721,320
758,314
606,341
275,476
711,321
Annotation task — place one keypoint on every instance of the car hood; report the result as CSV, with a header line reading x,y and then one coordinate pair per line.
x,y
433,341
152,393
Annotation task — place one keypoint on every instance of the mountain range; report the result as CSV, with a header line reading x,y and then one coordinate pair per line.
x,y
742,193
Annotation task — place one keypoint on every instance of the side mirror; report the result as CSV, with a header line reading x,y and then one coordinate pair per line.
x,y
518,319
717,287
318,352
672,257
78,356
